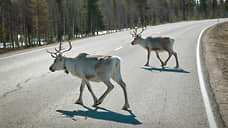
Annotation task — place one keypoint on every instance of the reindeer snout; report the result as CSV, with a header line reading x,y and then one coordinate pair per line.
x,y
51,69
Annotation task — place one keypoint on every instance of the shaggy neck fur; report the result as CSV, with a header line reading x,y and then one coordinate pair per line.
x,y
68,67
142,42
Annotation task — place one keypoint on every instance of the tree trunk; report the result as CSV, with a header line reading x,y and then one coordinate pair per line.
x,y
4,35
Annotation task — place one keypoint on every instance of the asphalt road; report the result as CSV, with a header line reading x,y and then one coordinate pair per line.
x,y
33,97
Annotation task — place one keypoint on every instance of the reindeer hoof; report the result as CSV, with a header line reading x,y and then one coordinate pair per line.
x,y
163,64
146,65
98,102
78,102
125,107
176,67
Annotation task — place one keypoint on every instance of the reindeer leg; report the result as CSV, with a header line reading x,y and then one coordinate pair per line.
x,y
117,77
110,87
123,86
177,63
168,58
148,57
79,101
162,63
91,91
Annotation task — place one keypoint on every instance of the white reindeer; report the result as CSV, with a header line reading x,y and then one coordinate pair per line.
x,y
156,44
90,68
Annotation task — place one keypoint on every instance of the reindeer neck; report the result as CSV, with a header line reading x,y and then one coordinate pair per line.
x,y
68,64
143,42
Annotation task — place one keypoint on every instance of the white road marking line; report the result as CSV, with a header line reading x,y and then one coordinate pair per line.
x,y
116,49
28,52
18,54
209,111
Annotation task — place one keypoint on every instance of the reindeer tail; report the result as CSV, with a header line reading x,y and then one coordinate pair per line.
x,y
172,40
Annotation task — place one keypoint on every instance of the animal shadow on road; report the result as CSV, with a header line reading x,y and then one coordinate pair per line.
x,y
105,114
165,69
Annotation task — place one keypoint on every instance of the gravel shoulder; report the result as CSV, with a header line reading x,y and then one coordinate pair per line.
x,y
215,55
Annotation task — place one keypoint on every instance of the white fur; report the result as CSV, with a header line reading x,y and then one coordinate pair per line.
x,y
93,68
157,44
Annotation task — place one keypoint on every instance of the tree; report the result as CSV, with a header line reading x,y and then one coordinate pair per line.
x,y
6,7
40,20
226,8
84,17
142,8
34,20
95,18
214,5
1,31
127,4
91,17
203,8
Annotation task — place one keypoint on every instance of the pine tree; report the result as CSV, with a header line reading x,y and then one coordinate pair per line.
x,y
84,17
226,8
214,5
91,18
203,7
127,12
40,20
95,18
6,6
114,13
1,31
142,8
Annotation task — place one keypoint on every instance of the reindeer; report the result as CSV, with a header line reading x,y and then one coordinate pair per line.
x,y
156,44
88,67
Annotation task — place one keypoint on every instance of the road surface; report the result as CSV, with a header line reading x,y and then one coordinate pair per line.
x,y
33,97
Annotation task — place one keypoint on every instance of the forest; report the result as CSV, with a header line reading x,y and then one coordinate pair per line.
x,y
29,23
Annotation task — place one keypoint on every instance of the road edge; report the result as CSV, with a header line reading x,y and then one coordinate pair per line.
x,y
214,118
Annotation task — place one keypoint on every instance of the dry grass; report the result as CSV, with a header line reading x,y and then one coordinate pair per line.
x,y
221,32
215,48
219,42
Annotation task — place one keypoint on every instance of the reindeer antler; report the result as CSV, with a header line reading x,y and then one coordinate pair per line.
x,y
60,48
59,51
70,47
142,31
53,54
134,34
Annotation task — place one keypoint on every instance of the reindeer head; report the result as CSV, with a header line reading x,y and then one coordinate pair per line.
x,y
137,36
59,62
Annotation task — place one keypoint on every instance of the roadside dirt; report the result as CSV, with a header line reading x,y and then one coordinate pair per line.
x,y
215,52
